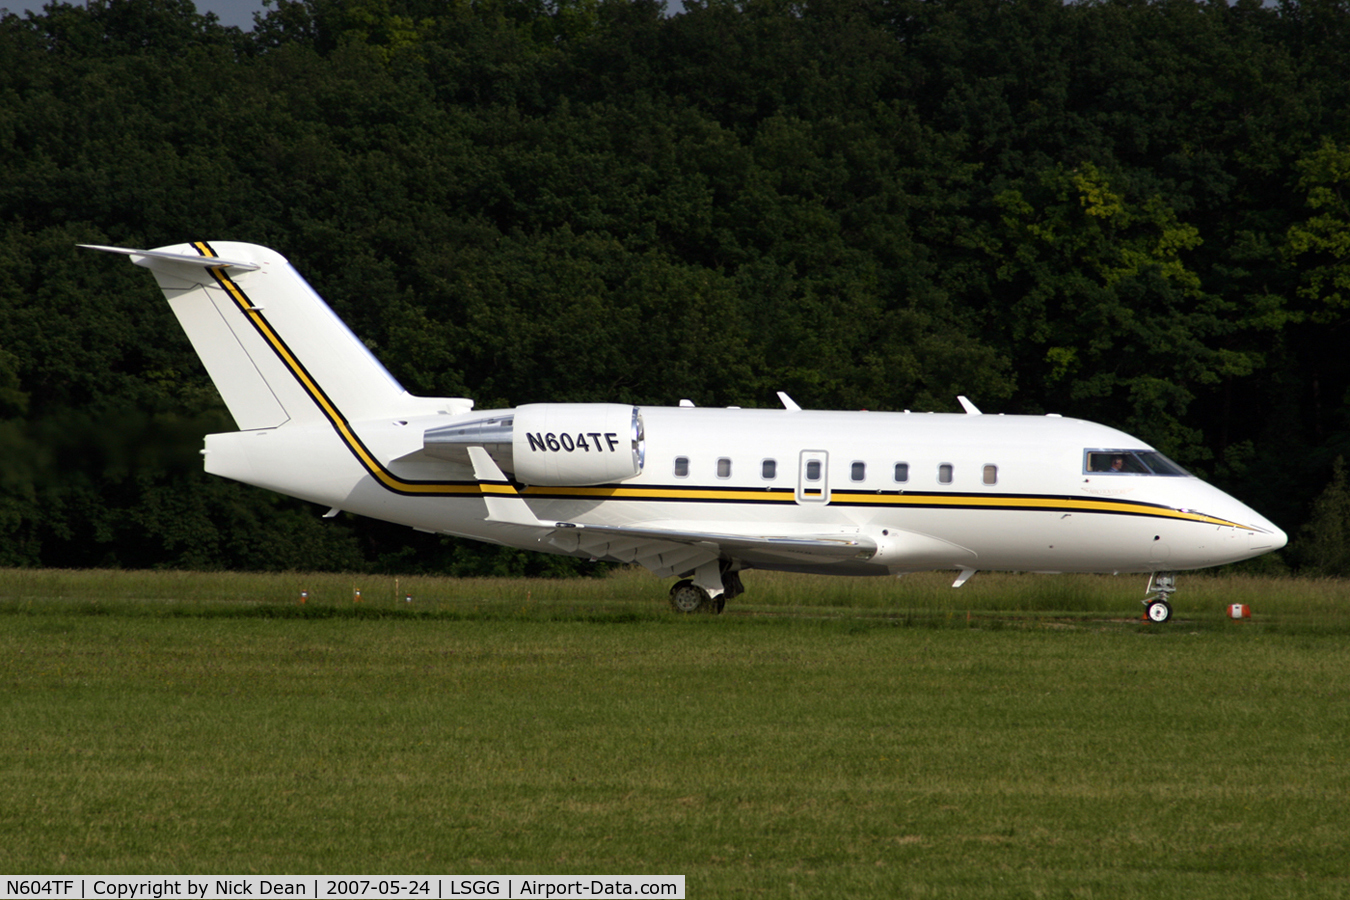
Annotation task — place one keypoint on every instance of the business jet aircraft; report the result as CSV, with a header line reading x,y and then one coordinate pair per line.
x,y
697,493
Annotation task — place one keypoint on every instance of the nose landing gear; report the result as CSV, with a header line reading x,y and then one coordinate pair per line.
x,y
1161,586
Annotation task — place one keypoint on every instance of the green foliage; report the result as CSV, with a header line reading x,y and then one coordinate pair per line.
x,y
1324,545
1106,314
1096,209
1325,237
13,402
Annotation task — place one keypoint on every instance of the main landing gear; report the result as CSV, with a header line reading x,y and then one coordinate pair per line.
x,y
689,596
1161,586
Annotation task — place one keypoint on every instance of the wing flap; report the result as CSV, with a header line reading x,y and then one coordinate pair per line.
x,y
815,548
662,550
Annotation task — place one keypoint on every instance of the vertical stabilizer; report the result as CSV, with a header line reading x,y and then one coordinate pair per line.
x,y
274,349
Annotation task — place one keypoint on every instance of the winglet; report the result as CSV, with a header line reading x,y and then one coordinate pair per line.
x,y
963,577
788,402
504,503
970,408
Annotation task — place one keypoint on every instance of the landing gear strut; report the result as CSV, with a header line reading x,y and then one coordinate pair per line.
x,y
693,595
687,597
1161,586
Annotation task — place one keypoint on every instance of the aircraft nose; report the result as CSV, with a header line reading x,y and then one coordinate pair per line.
x,y
1265,541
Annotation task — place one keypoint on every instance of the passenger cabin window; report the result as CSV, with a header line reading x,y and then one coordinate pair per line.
x,y
945,473
769,469
991,474
681,467
858,472
1129,462
724,468
902,472
813,470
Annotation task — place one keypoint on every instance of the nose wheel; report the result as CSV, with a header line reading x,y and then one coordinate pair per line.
x,y
1161,586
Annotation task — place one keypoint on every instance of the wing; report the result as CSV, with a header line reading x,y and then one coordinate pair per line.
x,y
665,551
668,551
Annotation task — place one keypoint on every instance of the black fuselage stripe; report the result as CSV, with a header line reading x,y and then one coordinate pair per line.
x,y
330,410
777,497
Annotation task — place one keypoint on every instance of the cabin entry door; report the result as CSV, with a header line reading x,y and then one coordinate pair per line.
x,y
813,477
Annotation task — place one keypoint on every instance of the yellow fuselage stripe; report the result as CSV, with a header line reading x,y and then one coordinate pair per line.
x,y
316,393
666,494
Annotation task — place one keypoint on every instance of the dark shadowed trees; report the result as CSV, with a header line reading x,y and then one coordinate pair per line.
x,y
1129,211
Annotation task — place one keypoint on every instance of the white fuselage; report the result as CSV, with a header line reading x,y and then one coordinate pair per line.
x,y
678,490
979,491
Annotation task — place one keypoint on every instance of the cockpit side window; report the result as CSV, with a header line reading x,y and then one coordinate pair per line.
x,y
1115,462
1129,462
1160,464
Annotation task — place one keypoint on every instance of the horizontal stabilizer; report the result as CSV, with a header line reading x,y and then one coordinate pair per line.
x,y
194,259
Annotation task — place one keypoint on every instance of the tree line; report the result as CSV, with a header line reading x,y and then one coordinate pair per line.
x,y
1133,212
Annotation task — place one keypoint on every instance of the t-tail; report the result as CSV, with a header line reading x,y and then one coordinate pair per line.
x,y
275,350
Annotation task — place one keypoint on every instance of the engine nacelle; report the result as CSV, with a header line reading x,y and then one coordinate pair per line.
x,y
555,444
577,443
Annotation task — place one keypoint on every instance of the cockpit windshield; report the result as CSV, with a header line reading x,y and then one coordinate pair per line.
x,y
1129,462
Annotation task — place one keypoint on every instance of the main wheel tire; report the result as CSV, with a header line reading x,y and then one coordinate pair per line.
x,y
687,597
1159,611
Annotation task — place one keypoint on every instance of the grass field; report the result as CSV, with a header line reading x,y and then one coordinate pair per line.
x,y
1020,737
